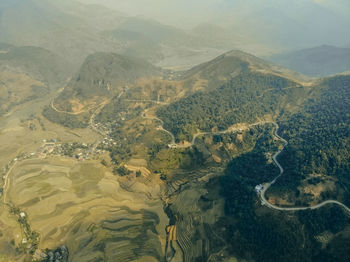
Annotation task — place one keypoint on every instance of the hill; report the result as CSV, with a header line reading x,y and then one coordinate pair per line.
x,y
104,74
137,44
233,105
37,62
168,46
318,61
231,64
237,87
17,88
29,73
149,39
101,77
319,145
66,28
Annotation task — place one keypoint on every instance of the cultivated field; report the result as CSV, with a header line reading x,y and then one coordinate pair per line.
x,y
81,205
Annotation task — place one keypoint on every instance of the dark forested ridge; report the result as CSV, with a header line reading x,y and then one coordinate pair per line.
x,y
315,121
318,138
257,233
245,98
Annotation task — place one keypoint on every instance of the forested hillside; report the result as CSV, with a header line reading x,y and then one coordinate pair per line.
x,y
245,99
319,141
255,232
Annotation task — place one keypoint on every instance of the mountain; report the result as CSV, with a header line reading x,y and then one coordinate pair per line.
x,y
231,106
313,118
29,73
318,141
318,61
168,46
138,45
66,28
230,64
103,75
234,119
37,62
147,38
158,32
279,26
315,163
17,88
245,98
74,31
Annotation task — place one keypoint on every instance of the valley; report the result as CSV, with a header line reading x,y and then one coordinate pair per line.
x,y
125,138
126,163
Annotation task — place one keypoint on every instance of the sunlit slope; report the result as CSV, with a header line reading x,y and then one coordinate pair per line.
x,y
37,62
103,75
18,88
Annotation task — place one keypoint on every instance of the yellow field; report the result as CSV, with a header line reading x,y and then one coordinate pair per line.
x,y
81,205
16,137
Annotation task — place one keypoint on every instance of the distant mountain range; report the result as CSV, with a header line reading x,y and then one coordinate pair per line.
x,y
318,61
37,62
74,31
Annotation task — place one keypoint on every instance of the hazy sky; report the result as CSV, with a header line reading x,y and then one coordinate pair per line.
x,y
191,12
299,23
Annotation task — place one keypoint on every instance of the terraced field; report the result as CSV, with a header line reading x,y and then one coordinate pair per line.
x,y
81,205
195,237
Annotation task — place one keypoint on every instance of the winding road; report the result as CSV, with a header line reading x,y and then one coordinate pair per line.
x,y
7,183
268,184
239,129
147,101
173,143
92,121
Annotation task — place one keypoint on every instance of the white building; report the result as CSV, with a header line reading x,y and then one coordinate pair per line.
x,y
259,188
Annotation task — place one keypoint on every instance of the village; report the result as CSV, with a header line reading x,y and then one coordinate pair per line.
x,y
80,151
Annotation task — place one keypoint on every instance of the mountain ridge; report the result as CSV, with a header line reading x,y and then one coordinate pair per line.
x,y
317,61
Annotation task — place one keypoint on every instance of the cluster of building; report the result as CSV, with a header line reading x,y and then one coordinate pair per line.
x,y
108,142
107,127
80,151
259,188
47,148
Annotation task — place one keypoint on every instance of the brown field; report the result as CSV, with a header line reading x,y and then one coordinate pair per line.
x,y
83,206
